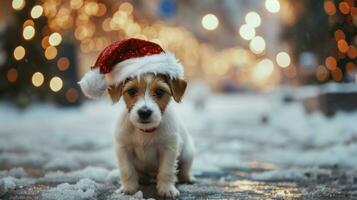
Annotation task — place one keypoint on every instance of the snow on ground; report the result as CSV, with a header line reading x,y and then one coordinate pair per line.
x,y
73,148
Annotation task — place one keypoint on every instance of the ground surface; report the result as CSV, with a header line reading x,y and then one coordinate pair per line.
x,y
248,147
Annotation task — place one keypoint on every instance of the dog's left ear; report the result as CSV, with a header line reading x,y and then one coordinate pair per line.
x,y
115,92
178,87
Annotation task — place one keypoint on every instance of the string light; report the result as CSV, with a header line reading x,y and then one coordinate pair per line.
x,y
257,45
210,22
19,52
37,79
56,84
28,32
272,6
283,59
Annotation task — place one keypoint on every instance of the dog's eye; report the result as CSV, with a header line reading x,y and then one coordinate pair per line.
x,y
159,93
132,92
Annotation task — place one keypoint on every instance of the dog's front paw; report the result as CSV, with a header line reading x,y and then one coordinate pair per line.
x,y
167,190
128,188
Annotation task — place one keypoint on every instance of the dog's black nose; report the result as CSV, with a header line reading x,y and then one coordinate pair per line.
x,y
144,113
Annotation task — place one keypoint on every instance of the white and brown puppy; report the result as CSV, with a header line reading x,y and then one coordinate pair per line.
x,y
151,140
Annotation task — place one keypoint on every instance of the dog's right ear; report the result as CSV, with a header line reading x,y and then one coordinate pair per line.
x,y
115,92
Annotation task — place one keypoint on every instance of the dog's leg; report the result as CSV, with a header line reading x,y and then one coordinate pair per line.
x,y
128,174
186,160
184,174
166,177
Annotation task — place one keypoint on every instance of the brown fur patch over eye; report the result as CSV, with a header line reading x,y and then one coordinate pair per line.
x,y
160,92
131,97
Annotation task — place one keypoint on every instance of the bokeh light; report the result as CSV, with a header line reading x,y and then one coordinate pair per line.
x,y
76,4
37,79
28,32
36,11
283,59
55,39
330,7
253,19
19,52
344,7
263,69
18,4
72,95
50,52
351,68
337,74
247,32
331,63
352,52
322,73
339,35
63,63
257,45
28,22
210,22
56,84
342,46
126,7
272,6
12,75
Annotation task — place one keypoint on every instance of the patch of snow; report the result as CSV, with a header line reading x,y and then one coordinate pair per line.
x,y
97,174
120,196
17,172
83,189
10,183
280,175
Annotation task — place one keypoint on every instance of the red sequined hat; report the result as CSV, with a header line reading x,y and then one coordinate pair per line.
x,y
128,58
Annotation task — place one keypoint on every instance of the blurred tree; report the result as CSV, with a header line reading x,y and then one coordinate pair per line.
x,y
325,28
38,65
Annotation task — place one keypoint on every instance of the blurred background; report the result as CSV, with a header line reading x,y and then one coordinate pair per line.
x,y
230,46
272,95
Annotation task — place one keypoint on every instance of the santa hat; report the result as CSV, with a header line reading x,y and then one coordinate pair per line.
x,y
128,58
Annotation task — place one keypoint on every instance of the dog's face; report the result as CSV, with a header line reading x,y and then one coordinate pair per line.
x,y
147,97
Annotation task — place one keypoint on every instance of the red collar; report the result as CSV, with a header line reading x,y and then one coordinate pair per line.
x,y
149,130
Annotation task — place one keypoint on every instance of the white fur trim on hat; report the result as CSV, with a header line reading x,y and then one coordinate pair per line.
x,y
93,84
163,63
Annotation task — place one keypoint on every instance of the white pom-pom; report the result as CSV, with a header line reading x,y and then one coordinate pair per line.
x,y
93,84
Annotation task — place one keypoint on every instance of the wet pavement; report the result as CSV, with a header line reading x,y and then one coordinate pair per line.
x,y
231,184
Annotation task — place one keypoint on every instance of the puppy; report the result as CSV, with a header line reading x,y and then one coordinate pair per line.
x,y
150,139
